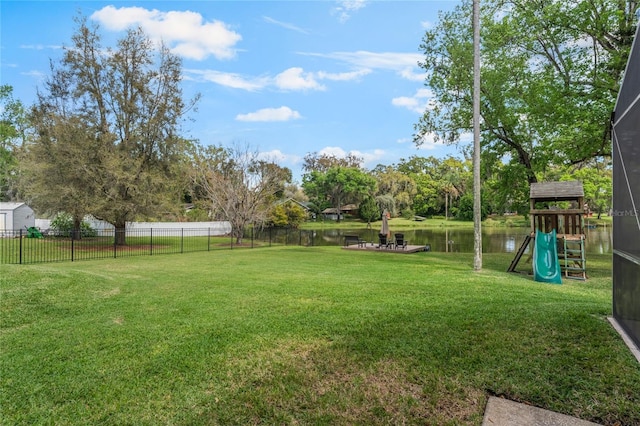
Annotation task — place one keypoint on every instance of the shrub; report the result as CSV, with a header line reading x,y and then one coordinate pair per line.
x,y
62,224
369,210
197,215
407,213
287,215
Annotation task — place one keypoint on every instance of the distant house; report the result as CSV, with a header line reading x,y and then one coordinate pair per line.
x,y
332,213
16,216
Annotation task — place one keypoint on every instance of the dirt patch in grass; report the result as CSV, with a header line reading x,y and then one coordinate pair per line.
x,y
315,382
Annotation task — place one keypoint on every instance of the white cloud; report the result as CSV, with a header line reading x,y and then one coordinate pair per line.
x,y
345,8
333,151
426,25
270,114
233,80
292,79
40,46
466,137
286,25
402,63
410,74
38,75
369,158
428,142
186,33
279,157
296,79
343,76
387,60
419,102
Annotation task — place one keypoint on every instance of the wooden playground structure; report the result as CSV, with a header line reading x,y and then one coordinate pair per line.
x,y
568,223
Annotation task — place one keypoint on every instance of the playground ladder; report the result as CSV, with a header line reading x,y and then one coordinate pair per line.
x,y
574,258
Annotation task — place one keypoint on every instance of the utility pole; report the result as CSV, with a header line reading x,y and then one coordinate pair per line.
x,y
477,206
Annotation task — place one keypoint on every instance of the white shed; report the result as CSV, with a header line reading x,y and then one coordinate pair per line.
x,y
16,216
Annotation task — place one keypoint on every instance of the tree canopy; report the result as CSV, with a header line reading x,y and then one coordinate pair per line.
x,y
124,108
550,74
398,185
238,185
338,186
58,167
13,123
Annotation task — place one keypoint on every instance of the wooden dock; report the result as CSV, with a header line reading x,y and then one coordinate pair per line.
x,y
374,247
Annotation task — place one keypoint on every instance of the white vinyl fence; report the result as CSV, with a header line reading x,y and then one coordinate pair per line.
x,y
142,229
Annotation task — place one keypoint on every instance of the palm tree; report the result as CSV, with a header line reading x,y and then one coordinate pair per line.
x,y
450,192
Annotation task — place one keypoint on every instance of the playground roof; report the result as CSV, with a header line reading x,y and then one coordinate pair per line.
x,y
556,191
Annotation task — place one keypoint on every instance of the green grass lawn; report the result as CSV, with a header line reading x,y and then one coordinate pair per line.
x,y
294,335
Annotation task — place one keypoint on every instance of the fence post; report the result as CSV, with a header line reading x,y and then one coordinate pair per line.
x,y
209,239
181,240
251,236
115,238
72,234
300,238
20,247
150,241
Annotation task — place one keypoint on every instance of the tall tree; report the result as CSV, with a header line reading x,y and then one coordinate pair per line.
x,y
399,185
13,123
369,210
453,176
597,183
550,73
240,186
130,102
57,166
323,162
338,186
425,172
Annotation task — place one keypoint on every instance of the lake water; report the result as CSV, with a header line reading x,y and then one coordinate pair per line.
x,y
494,240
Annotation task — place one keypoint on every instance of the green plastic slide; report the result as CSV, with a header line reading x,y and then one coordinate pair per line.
x,y
546,267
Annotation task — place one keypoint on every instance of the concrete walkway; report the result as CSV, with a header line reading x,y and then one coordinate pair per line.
x,y
502,412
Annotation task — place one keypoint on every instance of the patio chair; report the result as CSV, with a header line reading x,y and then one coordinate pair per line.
x,y
384,242
400,241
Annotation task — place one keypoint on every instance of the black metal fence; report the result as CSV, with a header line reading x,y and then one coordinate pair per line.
x,y
23,247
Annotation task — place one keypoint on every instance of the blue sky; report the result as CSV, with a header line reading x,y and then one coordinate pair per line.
x,y
285,77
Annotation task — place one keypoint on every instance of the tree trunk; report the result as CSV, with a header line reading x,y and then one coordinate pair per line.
x,y
239,234
76,232
446,206
121,234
